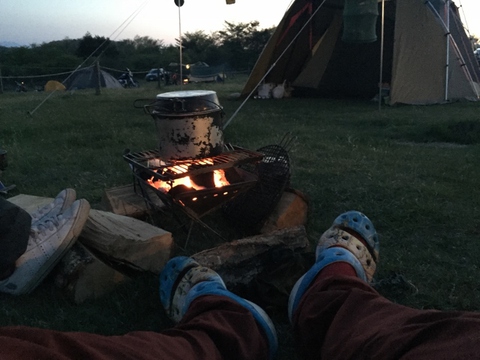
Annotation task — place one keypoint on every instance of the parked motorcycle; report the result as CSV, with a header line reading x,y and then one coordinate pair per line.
x,y
20,87
127,80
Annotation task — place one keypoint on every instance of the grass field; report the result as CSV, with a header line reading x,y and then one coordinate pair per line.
x,y
413,170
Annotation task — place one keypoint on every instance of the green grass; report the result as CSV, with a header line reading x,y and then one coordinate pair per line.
x,y
413,170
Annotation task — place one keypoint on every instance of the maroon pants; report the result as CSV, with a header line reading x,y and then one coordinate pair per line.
x,y
338,318
214,327
341,317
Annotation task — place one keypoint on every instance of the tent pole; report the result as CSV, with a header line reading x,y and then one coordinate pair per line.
x,y
382,38
274,64
1,80
447,65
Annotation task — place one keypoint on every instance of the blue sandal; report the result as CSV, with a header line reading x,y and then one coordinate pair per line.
x,y
341,243
183,280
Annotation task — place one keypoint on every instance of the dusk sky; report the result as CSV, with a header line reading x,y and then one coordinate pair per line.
x,y
31,21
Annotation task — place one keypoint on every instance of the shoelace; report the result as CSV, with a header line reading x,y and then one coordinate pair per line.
x,y
51,224
44,210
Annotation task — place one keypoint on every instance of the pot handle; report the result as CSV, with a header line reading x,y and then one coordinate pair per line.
x,y
139,103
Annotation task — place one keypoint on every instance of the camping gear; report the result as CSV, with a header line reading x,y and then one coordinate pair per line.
x,y
189,124
278,91
265,91
360,20
417,63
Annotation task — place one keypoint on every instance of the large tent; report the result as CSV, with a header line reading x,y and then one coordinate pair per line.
x,y
422,54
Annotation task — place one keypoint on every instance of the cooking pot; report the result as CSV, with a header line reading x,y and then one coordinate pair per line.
x,y
189,124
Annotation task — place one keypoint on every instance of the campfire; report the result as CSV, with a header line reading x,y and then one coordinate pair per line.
x,y
217,176
198,186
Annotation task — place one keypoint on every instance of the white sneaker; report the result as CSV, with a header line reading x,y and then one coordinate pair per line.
x,y
62,201
49,241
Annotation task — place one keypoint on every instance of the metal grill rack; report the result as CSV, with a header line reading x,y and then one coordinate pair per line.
x,y
194,203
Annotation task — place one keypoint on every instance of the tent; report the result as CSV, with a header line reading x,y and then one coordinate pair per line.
x,y
87,78
53,85
422,54
205,73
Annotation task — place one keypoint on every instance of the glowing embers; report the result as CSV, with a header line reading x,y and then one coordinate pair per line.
x,y
201,193
218,177
198,186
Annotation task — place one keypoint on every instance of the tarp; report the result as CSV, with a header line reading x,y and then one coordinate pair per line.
x,y
418,66
207,73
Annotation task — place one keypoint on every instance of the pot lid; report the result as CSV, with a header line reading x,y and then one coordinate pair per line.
x,y
186,94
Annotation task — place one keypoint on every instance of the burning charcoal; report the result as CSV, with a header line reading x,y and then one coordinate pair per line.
x,y
179,189
233,176
205,180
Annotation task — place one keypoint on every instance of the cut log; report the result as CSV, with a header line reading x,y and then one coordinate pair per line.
x,y
291,211
30,203
124,200
127,240
83,276
239,262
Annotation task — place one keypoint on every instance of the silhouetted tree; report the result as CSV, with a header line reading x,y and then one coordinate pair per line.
x,y
242,43
96,46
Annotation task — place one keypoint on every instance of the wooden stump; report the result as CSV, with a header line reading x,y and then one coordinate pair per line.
x,y
127,240
291,211
240,261
30,203
124,200
83,276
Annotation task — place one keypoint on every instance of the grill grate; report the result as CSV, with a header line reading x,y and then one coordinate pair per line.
x,y
151,162
196,203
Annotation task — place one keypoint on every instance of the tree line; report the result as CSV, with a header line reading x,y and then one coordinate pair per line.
x,y
237,47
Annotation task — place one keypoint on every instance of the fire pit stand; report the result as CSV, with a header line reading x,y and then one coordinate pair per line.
x,y
148,168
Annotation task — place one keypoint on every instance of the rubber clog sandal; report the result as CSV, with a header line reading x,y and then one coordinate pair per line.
x,y
341,244
361,224
327,257
183,280
335,237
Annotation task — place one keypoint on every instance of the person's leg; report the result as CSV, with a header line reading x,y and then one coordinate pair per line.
x,y
213,324
49,238
336,314
15,224
212,320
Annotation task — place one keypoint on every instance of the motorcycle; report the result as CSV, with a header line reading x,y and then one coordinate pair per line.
x,y
127,80
20,87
